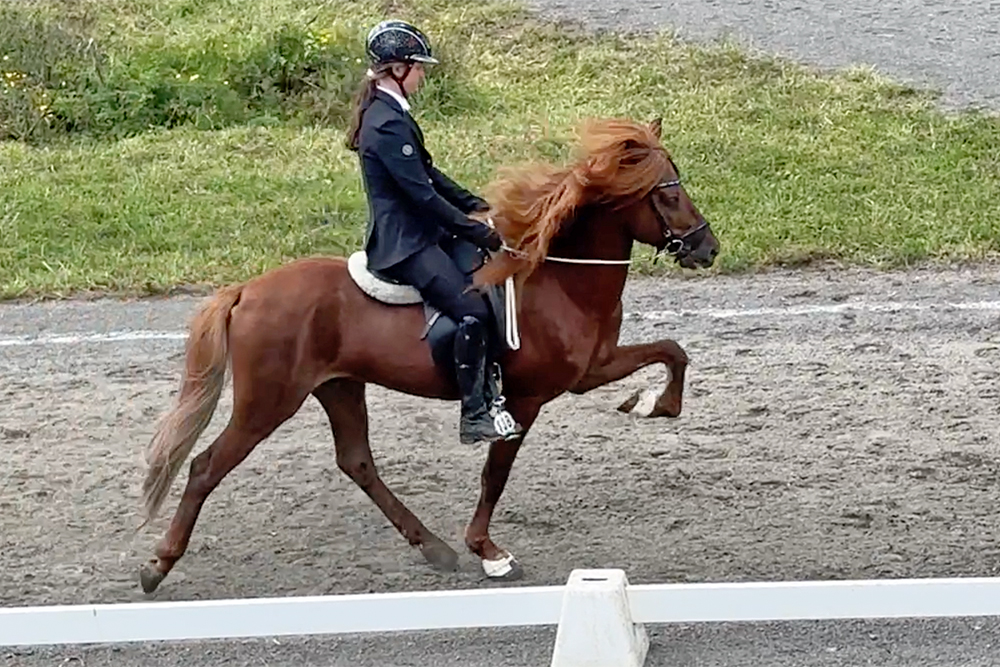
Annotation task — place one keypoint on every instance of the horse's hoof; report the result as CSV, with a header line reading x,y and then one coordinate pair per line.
x,y
641,403
150,577
648,403
629,403
505,568
440,555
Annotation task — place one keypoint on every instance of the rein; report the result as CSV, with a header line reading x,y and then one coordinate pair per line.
x,y
569,260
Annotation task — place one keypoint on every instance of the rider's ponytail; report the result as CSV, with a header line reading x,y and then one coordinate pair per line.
x,y
359,104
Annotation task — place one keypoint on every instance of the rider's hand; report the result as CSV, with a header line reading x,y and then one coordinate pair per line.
x,y
485,236
493,242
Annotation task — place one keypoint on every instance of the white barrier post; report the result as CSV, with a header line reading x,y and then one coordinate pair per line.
x,y
595,627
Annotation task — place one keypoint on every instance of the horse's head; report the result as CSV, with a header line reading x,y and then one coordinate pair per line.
x,y
668,220
626,186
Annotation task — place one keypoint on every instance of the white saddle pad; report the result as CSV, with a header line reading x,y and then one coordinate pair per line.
x,y
376,288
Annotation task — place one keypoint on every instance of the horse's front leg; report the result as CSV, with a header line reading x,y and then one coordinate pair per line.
x,y
499,564
620,362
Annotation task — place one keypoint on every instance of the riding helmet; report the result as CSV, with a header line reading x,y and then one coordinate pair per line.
x,y
398,41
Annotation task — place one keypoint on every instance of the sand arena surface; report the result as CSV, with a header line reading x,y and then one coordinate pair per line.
x,y
814,444
836,425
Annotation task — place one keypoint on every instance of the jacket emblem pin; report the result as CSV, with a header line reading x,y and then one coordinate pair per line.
x,y
407,150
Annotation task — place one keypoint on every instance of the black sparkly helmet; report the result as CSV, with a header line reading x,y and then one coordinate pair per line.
x,y
398,41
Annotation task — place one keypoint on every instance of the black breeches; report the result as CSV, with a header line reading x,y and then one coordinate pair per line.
x,y
440,283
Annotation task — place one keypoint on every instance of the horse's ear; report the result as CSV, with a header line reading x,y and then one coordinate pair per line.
x,y
656,126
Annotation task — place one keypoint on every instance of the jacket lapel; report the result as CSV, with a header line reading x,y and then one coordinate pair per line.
x,y
416,128
388,99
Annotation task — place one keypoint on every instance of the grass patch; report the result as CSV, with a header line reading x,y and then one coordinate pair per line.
x,y
152,144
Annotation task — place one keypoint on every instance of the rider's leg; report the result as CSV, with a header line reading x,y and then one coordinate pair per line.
x,y
443,286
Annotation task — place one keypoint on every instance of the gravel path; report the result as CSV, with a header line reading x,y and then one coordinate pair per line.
x,y
950,46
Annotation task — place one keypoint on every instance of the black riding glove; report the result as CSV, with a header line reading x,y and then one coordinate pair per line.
x,y
493,242
484,236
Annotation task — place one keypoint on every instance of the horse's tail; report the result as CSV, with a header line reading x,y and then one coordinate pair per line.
x,y
206,362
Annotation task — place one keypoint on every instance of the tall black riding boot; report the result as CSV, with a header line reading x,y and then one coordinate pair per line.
x,y
483,417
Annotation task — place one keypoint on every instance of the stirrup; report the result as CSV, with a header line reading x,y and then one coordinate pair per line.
x,y
503,421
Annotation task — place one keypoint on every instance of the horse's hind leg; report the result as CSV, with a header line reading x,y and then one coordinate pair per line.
x,y
344,403
252,421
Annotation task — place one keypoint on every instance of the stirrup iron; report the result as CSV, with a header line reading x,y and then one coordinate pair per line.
x,y
503,421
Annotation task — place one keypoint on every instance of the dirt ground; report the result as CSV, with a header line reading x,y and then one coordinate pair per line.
x,y
852,444
815,443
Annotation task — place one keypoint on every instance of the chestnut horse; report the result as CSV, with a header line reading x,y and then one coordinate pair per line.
x,y
307,328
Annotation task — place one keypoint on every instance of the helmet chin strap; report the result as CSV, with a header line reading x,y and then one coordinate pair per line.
x,y
399,79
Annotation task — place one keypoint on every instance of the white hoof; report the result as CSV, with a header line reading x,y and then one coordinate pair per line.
x,y
647,401
500,568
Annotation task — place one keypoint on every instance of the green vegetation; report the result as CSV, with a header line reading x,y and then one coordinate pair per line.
x,y
146,144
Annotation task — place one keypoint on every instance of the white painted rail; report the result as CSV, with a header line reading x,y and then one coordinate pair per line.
x,y
600,618
273,617
815,600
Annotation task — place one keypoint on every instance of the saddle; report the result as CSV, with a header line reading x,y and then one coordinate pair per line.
x,y
440,329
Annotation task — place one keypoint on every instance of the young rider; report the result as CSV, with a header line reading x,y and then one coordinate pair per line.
x,y
415,209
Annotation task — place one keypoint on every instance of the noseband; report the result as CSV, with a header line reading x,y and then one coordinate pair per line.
x,y
678,246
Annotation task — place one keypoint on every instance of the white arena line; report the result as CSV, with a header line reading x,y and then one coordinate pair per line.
x,y
73,339
649,316
815,309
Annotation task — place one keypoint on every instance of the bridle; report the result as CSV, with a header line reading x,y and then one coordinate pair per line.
x,y
678,246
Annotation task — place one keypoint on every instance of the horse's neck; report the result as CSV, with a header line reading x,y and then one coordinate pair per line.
x,y
595,288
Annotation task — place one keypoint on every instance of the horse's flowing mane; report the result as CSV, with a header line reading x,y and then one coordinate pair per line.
x,y
620,161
